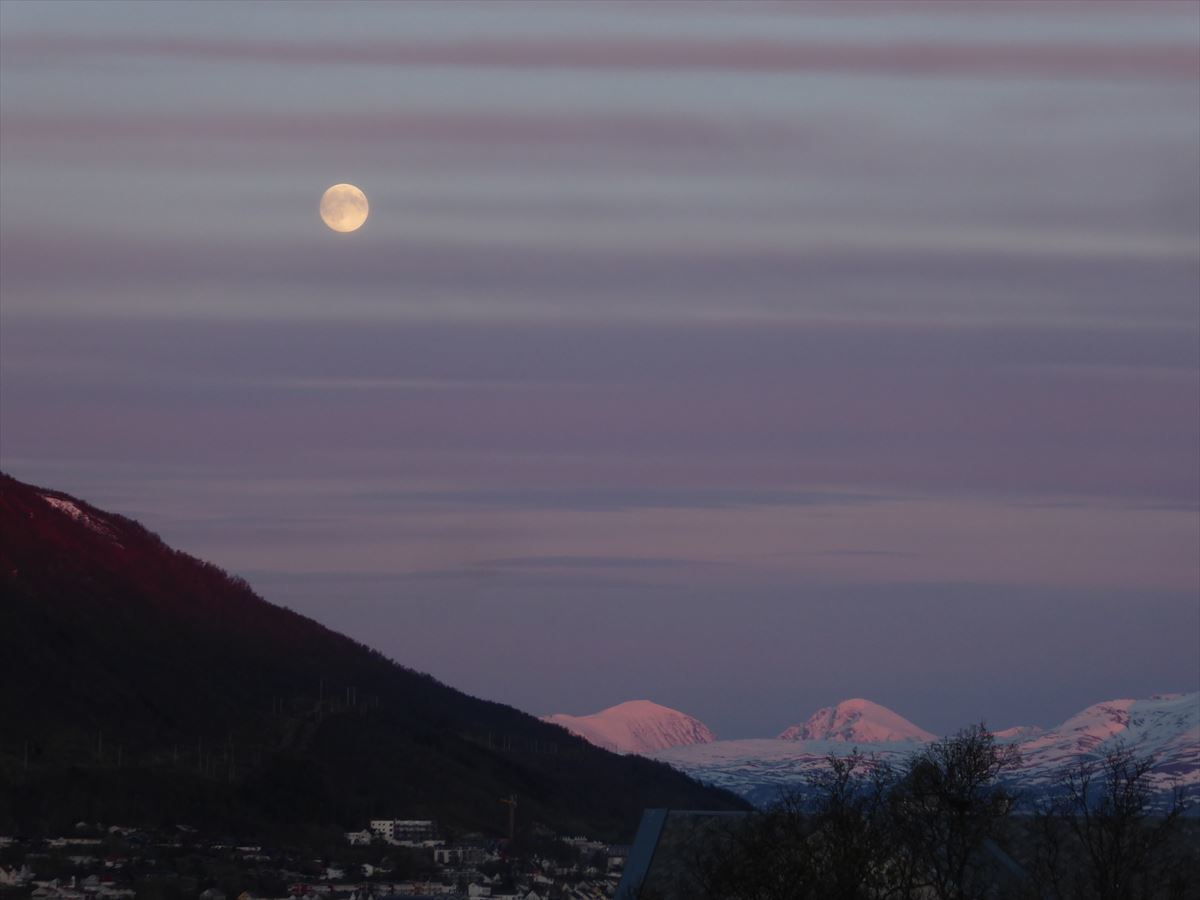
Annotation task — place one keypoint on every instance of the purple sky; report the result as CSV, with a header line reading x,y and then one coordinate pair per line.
x,y
743,357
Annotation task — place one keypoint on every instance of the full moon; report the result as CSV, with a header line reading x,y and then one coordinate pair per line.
x,y
344,208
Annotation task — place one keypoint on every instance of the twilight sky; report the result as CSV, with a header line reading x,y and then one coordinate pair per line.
x,y
742,357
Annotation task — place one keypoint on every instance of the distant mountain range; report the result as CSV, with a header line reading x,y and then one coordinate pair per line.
x,y
151,687
144,686
1165,726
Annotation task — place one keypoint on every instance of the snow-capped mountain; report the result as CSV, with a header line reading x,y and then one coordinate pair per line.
x,y
856,721
637,726
1165,726
1162,723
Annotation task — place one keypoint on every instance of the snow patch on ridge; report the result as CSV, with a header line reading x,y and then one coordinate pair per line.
x,y
637,726
72,510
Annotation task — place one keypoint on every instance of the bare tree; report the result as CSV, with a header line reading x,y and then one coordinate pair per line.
x,y
948,810
1110,835
764,856
850,841
826,841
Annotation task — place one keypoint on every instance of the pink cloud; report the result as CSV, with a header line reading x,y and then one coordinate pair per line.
x,y
429,126
1171,61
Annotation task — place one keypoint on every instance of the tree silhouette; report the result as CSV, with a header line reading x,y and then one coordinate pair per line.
x,y
1107,834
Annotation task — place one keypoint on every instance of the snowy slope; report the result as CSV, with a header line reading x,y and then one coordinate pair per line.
x,y
637,726
1019,733
1167,726
856,721
762,768
71,508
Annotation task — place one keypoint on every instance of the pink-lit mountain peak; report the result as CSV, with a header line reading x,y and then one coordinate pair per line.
x,y
856,721
1165,724
636,726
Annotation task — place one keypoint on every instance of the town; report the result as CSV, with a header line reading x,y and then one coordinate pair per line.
x,y
410,858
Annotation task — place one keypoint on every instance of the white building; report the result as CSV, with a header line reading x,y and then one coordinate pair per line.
x,y
407,831
459,856
383,828
414,830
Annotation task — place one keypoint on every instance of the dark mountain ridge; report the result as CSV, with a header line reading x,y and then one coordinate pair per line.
x,y
141,685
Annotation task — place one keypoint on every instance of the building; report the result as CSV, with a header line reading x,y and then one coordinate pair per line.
x,y
414,830
459,856
405,831
382,828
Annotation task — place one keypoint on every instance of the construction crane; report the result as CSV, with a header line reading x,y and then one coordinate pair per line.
x,y
511,802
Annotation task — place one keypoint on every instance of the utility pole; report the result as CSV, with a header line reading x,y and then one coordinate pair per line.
x,y
511,802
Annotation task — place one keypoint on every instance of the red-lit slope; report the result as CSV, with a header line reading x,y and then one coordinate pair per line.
x,y
146,684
